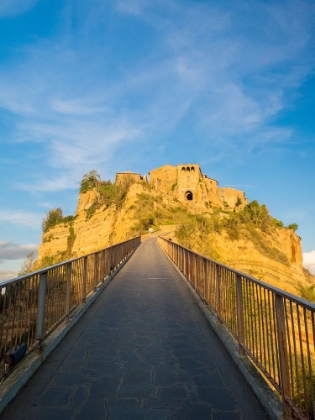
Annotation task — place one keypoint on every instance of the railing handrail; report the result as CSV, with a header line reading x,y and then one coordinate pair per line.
x,y
280,292
33,305
272,327
43,270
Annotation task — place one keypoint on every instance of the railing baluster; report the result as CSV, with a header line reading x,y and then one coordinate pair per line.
x,y
41,307
275,329
84,279
217,289
33,305
240,313
283,354
67,306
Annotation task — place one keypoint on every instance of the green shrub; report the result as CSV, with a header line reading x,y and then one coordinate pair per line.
x,y
55,217
51,259
68,219
52,218
70,240
89,181
307,292
277,223
113,194
91,210
293,226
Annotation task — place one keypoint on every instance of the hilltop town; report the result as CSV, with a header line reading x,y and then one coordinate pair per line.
x,y
186,206
187,183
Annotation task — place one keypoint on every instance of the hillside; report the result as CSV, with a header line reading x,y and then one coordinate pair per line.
x,y
245,236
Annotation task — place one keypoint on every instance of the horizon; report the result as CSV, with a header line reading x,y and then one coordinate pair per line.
x,y
133,86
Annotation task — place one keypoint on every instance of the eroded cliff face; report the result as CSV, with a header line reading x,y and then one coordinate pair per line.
x,y
105,227
243,256
109,225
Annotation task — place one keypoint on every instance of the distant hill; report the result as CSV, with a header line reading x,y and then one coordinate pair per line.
x,y
188,207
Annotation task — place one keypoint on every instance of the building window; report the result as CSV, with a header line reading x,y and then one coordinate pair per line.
x,y
183,168
193,168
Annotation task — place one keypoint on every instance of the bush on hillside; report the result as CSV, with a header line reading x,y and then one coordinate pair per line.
x,y
52,218
55,217
89,181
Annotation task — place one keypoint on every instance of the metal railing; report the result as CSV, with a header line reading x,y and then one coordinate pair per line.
x,y
33,305
275,329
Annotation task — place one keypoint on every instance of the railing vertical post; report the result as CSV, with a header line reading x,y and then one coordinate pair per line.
x,y
240,314
103,265
205,280
190,266
283,355
85,267
217,289
67,303
195,271
181,260
95,270
41,307
185,262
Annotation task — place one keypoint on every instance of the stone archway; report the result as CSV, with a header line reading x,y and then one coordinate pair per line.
x,y
189,196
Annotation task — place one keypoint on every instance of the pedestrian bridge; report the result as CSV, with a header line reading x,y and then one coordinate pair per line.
x,y
145,336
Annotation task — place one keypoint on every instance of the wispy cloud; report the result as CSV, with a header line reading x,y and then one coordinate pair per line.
x,y
7,274
12,251
209,66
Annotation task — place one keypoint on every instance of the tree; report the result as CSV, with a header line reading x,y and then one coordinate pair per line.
x,y
52,218
258,214
28,264
277,223
293,226
90,181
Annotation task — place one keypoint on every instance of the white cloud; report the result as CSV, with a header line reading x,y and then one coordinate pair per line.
x,y
213,64
7,275
12,251
75,107
309,261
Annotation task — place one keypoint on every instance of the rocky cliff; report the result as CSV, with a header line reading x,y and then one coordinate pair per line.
x,y
275,258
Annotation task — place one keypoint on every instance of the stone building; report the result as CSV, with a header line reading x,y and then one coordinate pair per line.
x,y
189,185
126,177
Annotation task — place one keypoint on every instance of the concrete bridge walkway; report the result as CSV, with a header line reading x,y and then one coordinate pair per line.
x,y
142,351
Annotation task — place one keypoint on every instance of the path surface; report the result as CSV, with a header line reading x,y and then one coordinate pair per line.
x,y
142,351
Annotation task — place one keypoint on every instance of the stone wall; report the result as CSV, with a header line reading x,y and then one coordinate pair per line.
x,y
188,184
127,177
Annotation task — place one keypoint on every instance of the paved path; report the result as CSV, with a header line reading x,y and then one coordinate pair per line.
x,y
142,351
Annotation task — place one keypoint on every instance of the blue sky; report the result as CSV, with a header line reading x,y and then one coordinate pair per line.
x,y
117,85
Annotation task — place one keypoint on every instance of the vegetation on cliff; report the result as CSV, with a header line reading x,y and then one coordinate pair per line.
x,y
112,212
194,231
55,217
253,223
108,194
